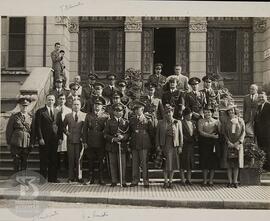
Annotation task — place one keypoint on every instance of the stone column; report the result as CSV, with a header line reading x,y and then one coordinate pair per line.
x,y
197,46
266,55
259,27
133,42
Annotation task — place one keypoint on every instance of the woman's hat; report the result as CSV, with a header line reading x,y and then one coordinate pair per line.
x,y
150,85
168,108
208,107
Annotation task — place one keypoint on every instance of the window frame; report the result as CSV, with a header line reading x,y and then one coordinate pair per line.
x,y
7,52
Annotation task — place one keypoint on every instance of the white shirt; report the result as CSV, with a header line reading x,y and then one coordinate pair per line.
x,y
49,109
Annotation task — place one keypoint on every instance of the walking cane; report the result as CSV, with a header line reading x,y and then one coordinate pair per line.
x,y
80,162
120,163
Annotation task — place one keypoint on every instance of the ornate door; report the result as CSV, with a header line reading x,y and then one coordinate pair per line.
x,y
229,54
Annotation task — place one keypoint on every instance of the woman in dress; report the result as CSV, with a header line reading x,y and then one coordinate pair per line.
x,y
208,128
189,139
169,139
234,133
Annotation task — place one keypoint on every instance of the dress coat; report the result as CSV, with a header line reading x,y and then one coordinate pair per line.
x,y
56,63
239,135
48,128
74,128
20,130
64,111
87,92
141,133
161,133
111,130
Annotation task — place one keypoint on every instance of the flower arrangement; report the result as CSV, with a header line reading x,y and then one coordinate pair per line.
x,y
134,81
254,157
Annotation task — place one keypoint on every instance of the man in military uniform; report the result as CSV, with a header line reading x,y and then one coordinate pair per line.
x,y
20,134
110,88
122,87
88,90
175,98
195,99
93,138
73,94
98,86
141,133
211,96
59,89
158,79
116,99
116,135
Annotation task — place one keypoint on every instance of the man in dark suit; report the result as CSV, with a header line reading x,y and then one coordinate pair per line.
x,y
195,99
49,129
250,106
56,57
93,139
174,97
110,88
262,127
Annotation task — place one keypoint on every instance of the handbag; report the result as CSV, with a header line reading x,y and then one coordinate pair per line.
x,y
233,153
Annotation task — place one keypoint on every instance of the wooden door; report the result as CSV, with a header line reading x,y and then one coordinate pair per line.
x,y
229,53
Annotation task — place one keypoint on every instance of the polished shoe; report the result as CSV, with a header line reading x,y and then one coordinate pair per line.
x,y
170,185
80,181
71,180
133,184
211,184
101,182
188,182
204,184
165,185
54,181
229,185
113,185
146,185
124,185
235,185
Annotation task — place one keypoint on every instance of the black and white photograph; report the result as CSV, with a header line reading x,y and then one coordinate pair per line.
x,y
158,113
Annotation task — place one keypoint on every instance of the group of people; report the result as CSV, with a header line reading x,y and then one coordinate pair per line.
x,y
164,123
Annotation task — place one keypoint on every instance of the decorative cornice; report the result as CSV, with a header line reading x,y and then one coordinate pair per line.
x,y
198,27
133,24
73,27
259,25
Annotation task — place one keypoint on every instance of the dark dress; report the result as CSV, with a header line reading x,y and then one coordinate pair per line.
x,y
187,155
207,145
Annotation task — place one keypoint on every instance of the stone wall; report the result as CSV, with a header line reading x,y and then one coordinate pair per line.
x,y
266,66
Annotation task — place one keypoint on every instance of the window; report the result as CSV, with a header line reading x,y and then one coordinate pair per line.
x,y
16,45
228,51
102,51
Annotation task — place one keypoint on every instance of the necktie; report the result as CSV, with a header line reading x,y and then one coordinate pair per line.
x,y
51,113
76,117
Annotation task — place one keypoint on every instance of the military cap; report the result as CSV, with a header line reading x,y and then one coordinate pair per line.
x,y
60,80
230,106
118,107
117,94
194,80
111,76
121,83
92,76
137,104
208,107
97,84
168,108
207,78
187,111
73,85
100,101
150,85
24,100
158,64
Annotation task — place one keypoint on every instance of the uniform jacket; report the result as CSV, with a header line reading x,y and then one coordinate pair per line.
x,y
210,96
87,92
160,81
20,130
108,92
195,102
262,121
112,128
48,128
93,129
162,129
250,108
141,133
153,107
74,128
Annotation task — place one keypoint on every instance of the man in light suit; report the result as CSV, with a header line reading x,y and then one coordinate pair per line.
x,y
74,121
250,105
262,125
182,84
49,129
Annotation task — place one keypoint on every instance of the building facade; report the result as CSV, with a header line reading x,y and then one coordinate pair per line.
x,y
237,48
